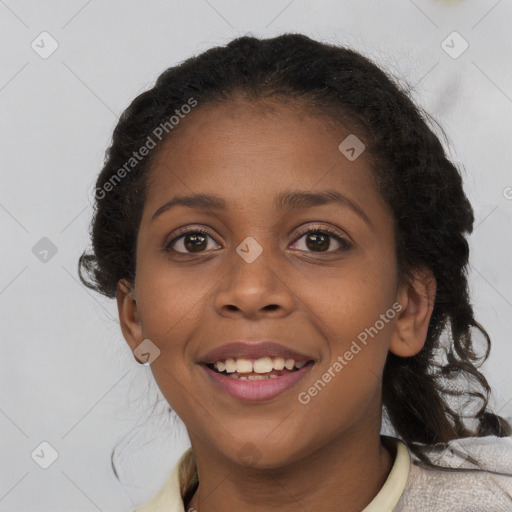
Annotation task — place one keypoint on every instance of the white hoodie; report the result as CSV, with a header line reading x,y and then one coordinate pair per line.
x,y
411,486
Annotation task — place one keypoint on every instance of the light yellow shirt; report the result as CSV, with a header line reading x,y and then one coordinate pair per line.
x,y
170,498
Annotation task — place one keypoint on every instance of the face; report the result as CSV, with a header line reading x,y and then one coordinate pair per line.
x,y
265,269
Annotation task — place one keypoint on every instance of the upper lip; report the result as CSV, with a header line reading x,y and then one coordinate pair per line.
x,y
252,350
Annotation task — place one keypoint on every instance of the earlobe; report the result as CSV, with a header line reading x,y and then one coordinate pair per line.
x,y
417,301
128,315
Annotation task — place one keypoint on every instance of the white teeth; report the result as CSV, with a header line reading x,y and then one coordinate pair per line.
x,y
263,365
251,377
278,363
230,365
244,366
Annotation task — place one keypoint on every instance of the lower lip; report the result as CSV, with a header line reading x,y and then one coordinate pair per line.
x,y
257,390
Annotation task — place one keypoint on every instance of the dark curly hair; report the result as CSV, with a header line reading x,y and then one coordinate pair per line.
x,y
422,187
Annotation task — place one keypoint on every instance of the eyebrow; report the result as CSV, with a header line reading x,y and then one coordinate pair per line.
x,y
284,202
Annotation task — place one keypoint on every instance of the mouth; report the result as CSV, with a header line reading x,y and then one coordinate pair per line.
x,y
256,380
257,369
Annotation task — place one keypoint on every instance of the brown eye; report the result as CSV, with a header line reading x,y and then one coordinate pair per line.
x,y
193,241
319,240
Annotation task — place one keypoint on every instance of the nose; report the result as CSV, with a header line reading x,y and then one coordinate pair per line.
x,y
254,289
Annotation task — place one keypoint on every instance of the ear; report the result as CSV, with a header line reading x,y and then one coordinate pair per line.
x,y
417,301
128,315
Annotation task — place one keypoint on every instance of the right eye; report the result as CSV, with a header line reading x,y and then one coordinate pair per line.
x,y
192,241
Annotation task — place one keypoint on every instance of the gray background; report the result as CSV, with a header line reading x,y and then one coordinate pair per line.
x,y
67,375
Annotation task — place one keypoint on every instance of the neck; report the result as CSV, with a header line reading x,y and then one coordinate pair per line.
x,y
349,471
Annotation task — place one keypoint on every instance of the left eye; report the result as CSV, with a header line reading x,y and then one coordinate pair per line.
x,y
318,240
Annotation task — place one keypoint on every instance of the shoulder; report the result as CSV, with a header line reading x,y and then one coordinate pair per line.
x,y
169,497
474,474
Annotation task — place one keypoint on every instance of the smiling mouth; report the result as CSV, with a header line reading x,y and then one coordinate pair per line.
x,y
257,369
257,380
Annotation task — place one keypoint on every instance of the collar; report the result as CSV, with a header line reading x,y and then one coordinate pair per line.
x,y
170,496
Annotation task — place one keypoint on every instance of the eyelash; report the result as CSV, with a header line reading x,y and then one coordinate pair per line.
x,y
345,245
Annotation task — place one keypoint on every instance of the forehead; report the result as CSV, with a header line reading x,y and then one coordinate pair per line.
x,y
249,151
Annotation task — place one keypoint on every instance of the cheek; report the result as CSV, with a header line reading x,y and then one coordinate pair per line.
x,y
354,313
169,306
357,319
169,301
351,298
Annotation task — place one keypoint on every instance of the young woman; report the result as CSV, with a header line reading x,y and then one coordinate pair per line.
x,y
286,240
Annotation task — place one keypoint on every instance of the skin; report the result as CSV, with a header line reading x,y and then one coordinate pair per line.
x,y
247,153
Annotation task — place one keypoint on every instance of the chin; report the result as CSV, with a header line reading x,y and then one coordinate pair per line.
x,y
262,453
